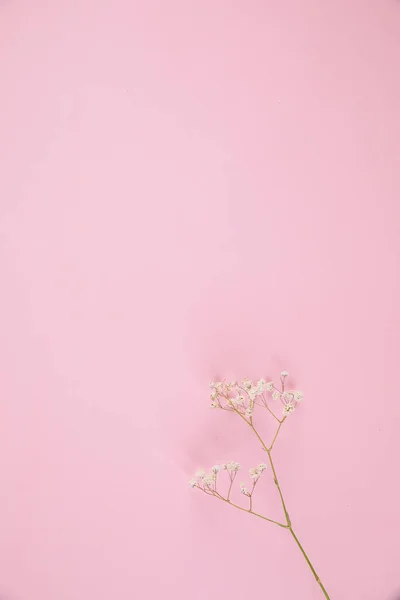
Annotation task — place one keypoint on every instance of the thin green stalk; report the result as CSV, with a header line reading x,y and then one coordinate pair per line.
x,y
288,522
317,579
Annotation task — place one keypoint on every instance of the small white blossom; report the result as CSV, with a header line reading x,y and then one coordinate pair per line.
x,y
200,474
276,395
193,483
209,480
287,396
217,385
223,467
270,386
214,405
284,374
298,396
252,393
247,384
232,466
254,473
261,386
243,489
215,469
249,412
288,408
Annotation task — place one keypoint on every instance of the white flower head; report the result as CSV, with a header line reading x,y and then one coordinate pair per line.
x,y
193,483
254,473
249,411
276,395
215,469
284,374
252,393
288,408
224,467
232,466
298,396
247,384
261,467
261,386
200,474
243,489
209,480
270,387
214,405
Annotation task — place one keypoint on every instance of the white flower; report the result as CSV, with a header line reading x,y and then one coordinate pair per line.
x,y
247,384
214,405
298,396
248,412
276,395
232,466
252,393
243,489
224,467
238,401
193,483
261,386
288,408
200,474
215,469
214,395
208,480
254,473
284,374
217,385
287,396
270,386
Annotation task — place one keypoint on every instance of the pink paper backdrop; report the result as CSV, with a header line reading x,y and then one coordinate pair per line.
x,y
192,189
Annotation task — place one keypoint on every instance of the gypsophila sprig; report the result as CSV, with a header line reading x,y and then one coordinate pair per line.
x,y
243,398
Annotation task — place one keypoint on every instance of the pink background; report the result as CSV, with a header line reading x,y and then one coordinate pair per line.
x,y
192,189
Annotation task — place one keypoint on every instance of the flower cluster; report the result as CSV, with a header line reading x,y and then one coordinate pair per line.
x,y
207,481
254,473
242,397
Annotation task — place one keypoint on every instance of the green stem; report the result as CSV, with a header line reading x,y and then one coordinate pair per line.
x,y
288,522
317,579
